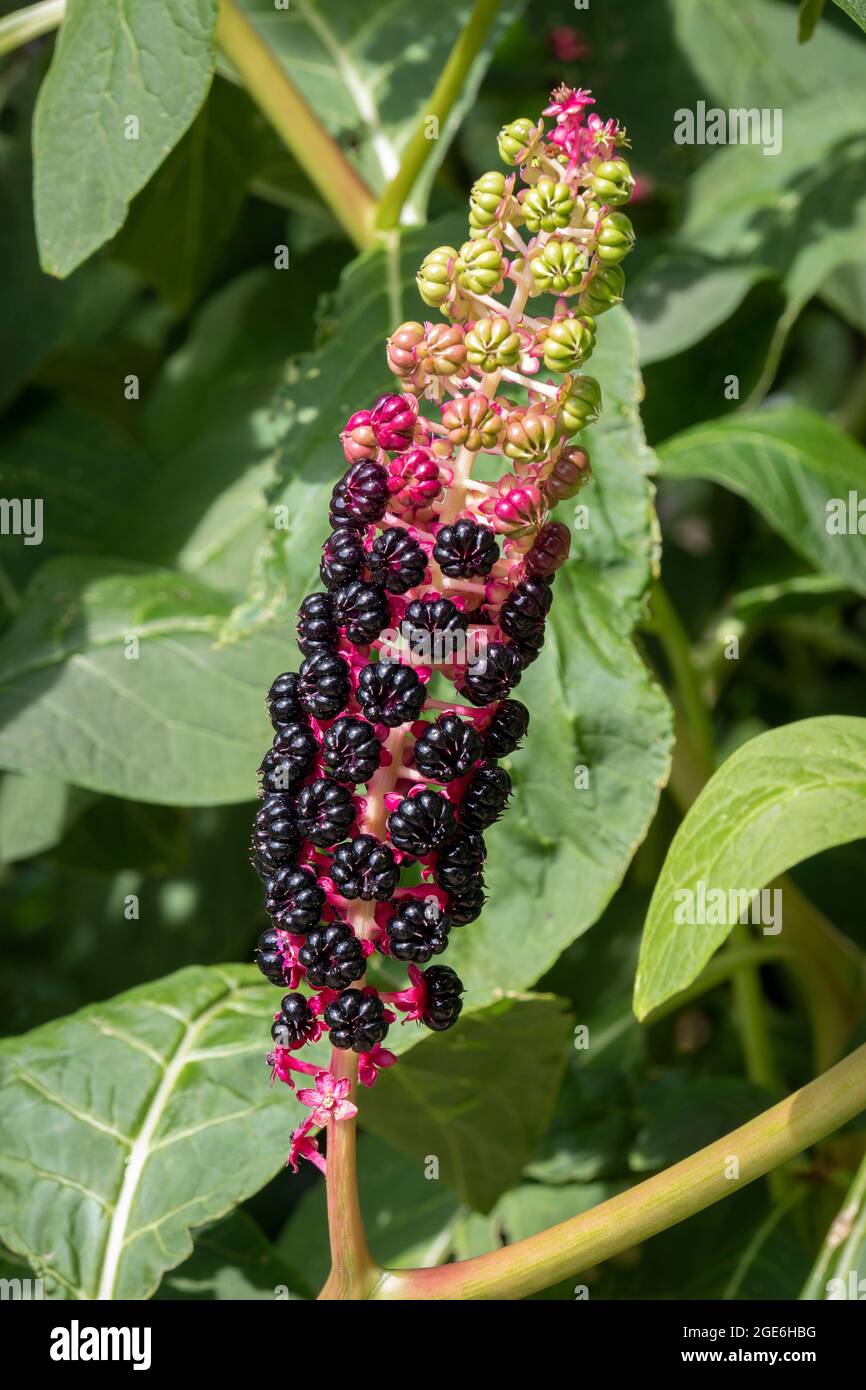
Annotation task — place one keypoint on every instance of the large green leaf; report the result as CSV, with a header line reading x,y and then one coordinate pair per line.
x,y
789,463
113,65
856,9
132,1122
477,1098
34,812
233,1260
781,798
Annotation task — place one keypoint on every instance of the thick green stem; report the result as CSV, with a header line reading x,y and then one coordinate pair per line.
x,y
273,91
21,26
445,93
843,1239
528,1266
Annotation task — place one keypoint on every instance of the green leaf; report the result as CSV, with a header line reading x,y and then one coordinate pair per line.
x,y
232,1260
476,1098
783,797
124,85
789,463
688,1114
133,1121
34,813
855,9
526,1211
810,13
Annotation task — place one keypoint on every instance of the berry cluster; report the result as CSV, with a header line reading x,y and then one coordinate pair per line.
x,y
369,781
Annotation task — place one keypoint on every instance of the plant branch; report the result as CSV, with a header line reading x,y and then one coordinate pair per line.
x,y
318,154
772,1138
21,26
848,1231
444,95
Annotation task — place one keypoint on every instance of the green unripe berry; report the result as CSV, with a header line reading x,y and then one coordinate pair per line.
x,y
612,182
560,266
604,290
515,138
433,279
614,238
580,404
568,343
479,266
485,200
547,206
491,344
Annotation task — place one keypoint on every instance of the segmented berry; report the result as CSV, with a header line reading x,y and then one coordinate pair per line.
x,y
506,730
284,704
460,862
269,957
530,648
447,749
356,1020
486,796
390,694
351,750
361,610
276,836
295,1024
324,811
421,823
524,611
444,1005
493,676
332,957
466,906
465,550
290,758
365,868
323,685
397,561
361,495
343,559
417,931
294,899
431,616
317,627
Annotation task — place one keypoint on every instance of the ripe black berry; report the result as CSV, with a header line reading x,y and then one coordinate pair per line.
x,y
418,931
323,685
317,628
524,611
444,1005
361,495
269,957
429,616
276,837
460,862
296,1023
421,823
361,610
492,677
466,906
343,559
324,811
466,549
365,868
294,899
332,957
289,760
356,1020
529,649
284,702
390,694
351,750
485,797
397,561
506,729
447,749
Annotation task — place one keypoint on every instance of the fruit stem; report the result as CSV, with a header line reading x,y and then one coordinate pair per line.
x,y
22,26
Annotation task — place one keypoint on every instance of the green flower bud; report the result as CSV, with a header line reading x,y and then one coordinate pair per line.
x,y
614,238
568,343
547,206
515,138
491,344
612,182
559,266
529,436
579,404
433,279
604,290
479,266
485,201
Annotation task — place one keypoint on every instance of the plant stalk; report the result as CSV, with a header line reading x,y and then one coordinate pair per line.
x,y
22,26
533,1264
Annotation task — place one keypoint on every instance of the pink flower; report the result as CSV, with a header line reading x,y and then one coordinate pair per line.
x,y
567,103
567,45
329,1100
413,1001
370,1063
282,1063
305,1147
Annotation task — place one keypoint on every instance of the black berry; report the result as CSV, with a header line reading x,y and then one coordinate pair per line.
x,y
444,1004
361,610
421,823
323,685
361,495
418,931
506,730
284,702
269,957
460,862
447,749
524,611
356,1020
296,1022
276,836
485,797
397,561
324,811
343,559
466,906
294,899
317,628
365,868
352,752
289,760
493,676
390,694
429,616
332,957
466,549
